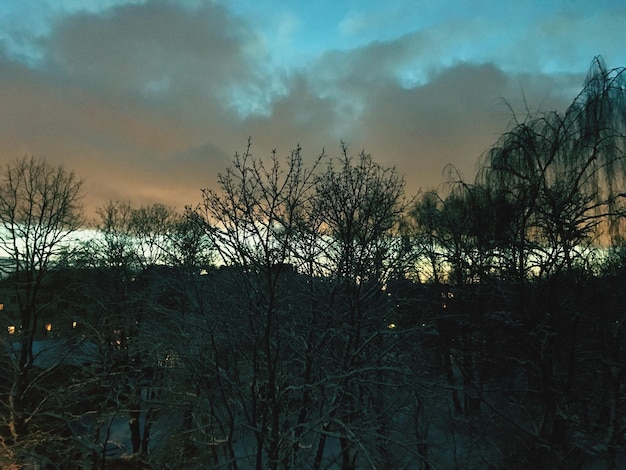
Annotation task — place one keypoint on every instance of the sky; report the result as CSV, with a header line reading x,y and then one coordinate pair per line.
x,y
147,101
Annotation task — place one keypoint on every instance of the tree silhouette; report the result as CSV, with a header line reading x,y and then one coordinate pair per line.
x,y
39,213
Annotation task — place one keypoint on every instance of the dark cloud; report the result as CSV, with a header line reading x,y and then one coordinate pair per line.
x,y
148,103
154,48
451,118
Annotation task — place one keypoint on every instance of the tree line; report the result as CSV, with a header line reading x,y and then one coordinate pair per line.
x,y
314,315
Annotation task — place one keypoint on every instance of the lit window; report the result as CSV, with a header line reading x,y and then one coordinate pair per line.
x,y
391,326
74,324
49,327
11,329
1,306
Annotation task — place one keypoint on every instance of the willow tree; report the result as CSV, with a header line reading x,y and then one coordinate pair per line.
x,y
563,176
40,210
565,172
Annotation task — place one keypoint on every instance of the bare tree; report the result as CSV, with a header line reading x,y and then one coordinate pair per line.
x,y
40,210
360,205
256,218
123,281
188,242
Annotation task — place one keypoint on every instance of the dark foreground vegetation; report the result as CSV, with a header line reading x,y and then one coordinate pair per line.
x,y
311,315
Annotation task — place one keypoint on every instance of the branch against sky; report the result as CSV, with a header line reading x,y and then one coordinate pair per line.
x,y
40,208
567,165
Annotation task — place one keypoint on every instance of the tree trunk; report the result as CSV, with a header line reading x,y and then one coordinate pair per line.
x,y
135,430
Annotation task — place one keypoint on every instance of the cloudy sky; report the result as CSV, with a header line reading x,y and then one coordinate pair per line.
x,y
148,100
